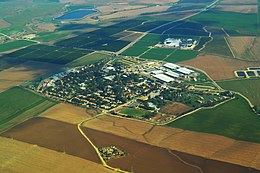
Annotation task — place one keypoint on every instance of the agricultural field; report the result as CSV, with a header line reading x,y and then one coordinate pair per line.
x,y
45,53
15,45
219,68
18,105
19,74
238,8
181,55
31,158
54,135
89,59
240,45
230,21
68,113
165,137
247,87
175,108
252,52
236,118
158,53
218,46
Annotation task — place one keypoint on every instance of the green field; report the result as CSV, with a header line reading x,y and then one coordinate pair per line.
x,y
135,51
247,87
181,55
134,112
89,59
218,46
230,21
15,45
52,36
17,105
158,53
234,119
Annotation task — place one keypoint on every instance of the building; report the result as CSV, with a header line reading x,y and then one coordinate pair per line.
x,y
172,42
172,74
184,71
171,66
163,78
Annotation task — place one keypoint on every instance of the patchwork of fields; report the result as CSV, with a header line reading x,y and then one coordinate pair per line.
x,y
18,105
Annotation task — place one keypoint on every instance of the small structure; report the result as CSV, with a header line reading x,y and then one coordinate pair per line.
x,y
163,78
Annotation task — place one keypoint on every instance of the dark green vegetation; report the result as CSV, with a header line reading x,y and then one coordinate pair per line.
x,y
89,59
218,46
202,42
44,53
230,21
17,105
234,119
15,45
247,87
182,55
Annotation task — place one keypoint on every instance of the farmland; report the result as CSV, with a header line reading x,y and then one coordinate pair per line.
x,y
218,46
31,158
244,23
131,112
45,53
89,59
15,45
166,137
236,119
181,55
19,74
18,105
217,67
247,87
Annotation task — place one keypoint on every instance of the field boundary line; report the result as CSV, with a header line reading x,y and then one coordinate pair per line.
x,y
183,161
230,48
95,148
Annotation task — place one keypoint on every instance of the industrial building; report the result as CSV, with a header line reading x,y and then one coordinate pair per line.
x,y
163,78
171,66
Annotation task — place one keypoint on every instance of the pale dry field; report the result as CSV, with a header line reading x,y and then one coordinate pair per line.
x,y
240,44
175,109
219,68
236,2
254,50
66,113
17,75
21,157
4,24
117,7
49,27
133,13
201,144
239,9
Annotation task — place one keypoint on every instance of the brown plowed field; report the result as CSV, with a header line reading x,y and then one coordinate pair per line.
x,y
236,2
143,158
22,157
15,76
217,67
175,108
200,144
4,24
66,113
55,135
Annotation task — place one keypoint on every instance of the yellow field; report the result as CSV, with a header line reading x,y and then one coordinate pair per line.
x,y
240,44
66,113
21,157
133,13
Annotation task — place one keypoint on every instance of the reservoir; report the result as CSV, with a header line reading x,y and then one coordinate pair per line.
x,y
78,14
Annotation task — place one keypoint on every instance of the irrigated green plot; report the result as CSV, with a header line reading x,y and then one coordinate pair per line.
x,y
181,55
134,112
158,53
244,23
89,59
234,119
247,87
18,105
15,45
135,51
218,46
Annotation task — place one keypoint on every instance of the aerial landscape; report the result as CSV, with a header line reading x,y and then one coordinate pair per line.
x,y
130,86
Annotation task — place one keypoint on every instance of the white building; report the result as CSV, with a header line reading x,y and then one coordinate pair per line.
x,y
171,66
163,78
172,42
